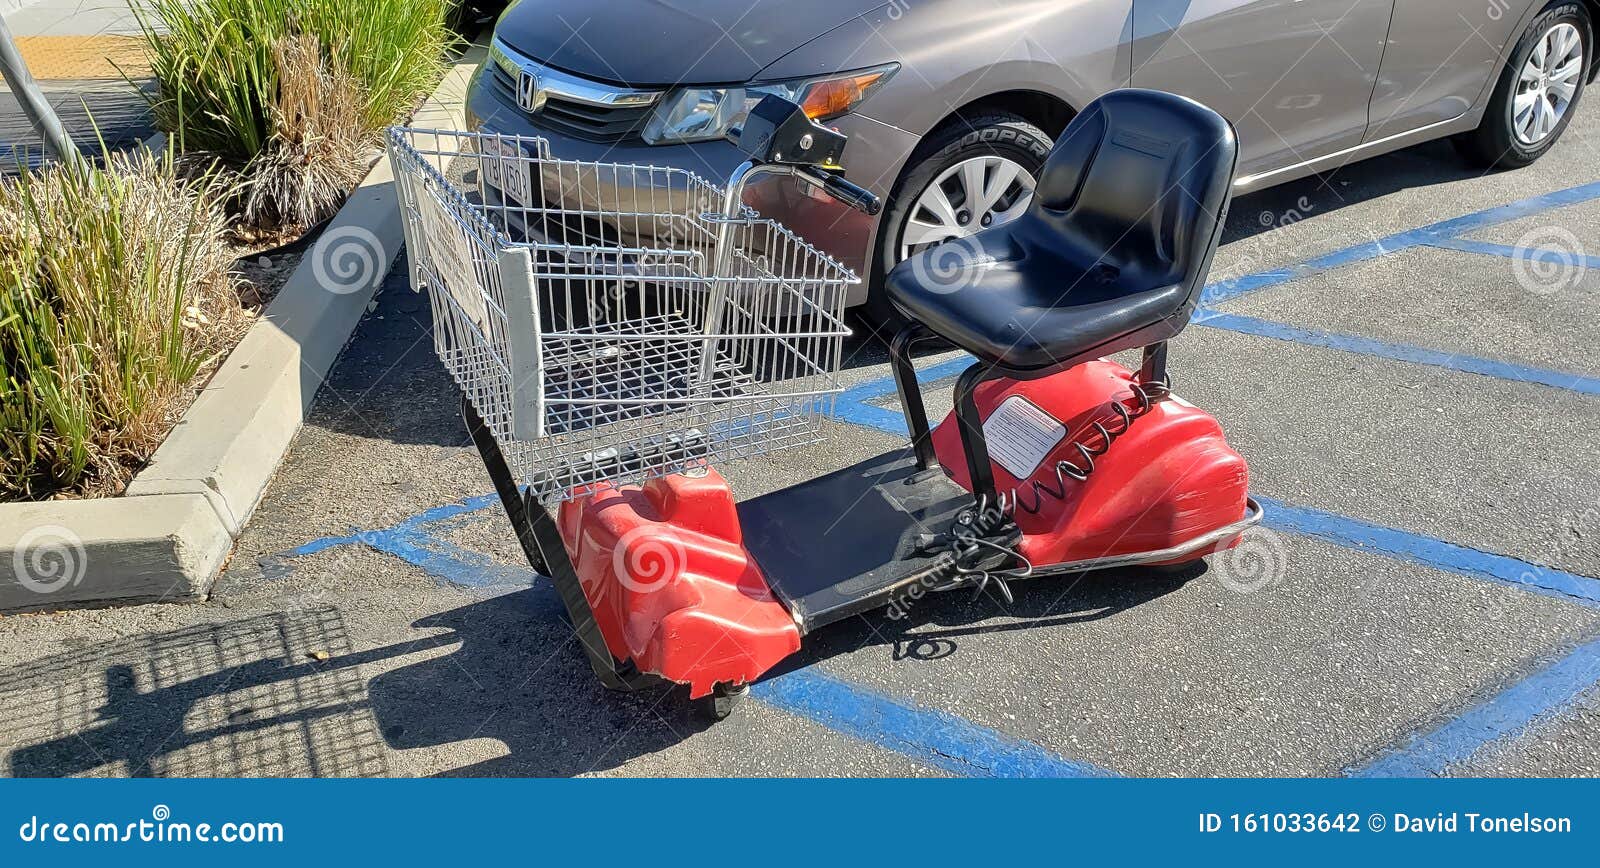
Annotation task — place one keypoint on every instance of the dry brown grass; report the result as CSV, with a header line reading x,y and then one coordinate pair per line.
x,y
320,144
115,295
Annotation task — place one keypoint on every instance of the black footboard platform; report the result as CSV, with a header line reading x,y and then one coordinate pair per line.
x,y
856,539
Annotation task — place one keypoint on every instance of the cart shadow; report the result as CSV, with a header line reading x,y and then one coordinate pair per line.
x,y
497,687
283,695
275,695
520,678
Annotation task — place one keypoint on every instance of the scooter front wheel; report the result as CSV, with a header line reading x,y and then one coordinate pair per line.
x,y
721,703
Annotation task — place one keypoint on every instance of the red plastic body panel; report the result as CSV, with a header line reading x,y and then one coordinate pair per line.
x,y
1171,478
672,588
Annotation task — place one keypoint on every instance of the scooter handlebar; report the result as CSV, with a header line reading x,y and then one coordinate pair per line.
x,y
854,195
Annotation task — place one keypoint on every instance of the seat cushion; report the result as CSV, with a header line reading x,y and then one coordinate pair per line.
x,y
1110,253
1021,305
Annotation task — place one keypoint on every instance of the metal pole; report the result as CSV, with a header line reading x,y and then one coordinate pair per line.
x,y
34,105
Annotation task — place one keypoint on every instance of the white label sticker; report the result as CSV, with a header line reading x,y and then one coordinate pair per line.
x,y
1021,436
449,251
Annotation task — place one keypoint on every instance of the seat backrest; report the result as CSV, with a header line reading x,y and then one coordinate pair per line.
x,y
1140,181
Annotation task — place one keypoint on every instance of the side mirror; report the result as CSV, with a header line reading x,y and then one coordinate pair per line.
x,y
778,131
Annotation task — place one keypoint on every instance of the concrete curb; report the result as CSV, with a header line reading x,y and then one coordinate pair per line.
x,y
171,533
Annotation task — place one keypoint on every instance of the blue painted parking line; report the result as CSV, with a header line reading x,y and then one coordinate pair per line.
x,y
413,541
1220,291
854,403
1225,290
1429,552
937,738
1559,258
1399,352
1503,717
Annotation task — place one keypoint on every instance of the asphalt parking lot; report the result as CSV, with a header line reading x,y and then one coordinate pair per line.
x,y
1417,393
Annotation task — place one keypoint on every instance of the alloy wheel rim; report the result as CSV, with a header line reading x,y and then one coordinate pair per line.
x,y
965,199
1547,84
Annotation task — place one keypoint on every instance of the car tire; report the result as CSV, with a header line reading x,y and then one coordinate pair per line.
x,y
993,133
1497,143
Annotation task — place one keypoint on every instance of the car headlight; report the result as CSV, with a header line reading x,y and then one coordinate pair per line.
x,y
695,114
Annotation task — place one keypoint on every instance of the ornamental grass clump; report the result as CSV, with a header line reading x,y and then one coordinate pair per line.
x,y
115,295
291,95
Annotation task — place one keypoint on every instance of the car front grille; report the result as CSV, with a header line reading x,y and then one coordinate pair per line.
x,y
595,123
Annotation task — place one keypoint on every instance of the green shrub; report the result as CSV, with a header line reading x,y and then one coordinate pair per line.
x,y
115,292
221,67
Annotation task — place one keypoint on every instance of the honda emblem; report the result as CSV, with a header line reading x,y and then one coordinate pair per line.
x,y
530,94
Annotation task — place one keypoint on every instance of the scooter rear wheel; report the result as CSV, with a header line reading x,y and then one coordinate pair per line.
x,y
1186,569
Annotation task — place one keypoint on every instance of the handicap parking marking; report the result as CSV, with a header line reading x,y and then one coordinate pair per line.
x,y
1397,351
937,738
1444,235
855,404
1444,230
1429,552
415,541
1515,711
1562,258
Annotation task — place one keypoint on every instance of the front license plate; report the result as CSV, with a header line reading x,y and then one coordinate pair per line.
x,y
504,168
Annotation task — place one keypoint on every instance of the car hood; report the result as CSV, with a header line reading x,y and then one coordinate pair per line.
x,y
664,42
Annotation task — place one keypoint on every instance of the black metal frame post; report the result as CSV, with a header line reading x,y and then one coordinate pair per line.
x,y
974,445
541,542
905,382
1153,372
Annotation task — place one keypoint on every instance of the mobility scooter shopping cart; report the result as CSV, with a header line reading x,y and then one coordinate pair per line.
x,y
616,329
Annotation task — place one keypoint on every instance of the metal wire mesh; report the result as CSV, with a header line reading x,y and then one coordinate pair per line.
x,y
615,322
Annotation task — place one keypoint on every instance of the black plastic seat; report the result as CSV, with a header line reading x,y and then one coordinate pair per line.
x,y
1110,254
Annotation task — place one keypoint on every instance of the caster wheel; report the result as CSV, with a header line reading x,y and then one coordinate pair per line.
x,y
721,703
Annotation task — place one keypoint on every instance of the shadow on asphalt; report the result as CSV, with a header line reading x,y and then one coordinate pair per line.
x,y
270,696
935,627
388,384
284,695
1424,165
555,719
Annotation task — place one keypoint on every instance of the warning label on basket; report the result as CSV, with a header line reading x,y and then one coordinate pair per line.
x,y
448,250
1021,435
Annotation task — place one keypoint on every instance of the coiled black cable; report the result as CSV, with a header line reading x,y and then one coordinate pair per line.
x,y
1064,470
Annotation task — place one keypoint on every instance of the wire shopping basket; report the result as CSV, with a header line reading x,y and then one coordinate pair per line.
x,y
611,322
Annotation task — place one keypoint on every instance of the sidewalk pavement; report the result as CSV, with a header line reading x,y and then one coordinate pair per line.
x,y
84,53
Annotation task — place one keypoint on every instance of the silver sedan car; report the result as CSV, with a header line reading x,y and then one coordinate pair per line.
x,y
951,105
